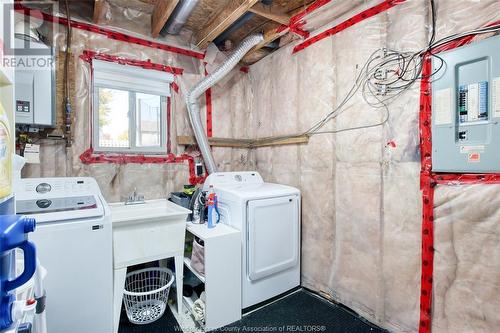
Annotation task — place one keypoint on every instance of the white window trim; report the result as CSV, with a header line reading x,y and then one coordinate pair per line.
x,y
130,71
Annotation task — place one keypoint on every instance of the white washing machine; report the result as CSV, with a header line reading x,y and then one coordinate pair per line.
x,y
268,216
73,239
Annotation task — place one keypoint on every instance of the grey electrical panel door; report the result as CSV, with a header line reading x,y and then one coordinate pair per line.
x,y
466,109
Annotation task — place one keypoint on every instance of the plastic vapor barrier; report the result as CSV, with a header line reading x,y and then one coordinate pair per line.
x,y
154,180
361,208
466,258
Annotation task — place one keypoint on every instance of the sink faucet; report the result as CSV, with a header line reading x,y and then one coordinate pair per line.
x,y
134,198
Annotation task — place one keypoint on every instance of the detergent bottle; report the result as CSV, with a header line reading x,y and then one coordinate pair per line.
x,y
13,235
5,155
213,209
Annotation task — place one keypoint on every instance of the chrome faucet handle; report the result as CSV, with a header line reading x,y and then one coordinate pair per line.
x,y
134,198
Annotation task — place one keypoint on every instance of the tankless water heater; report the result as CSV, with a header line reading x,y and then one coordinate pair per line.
x,y
35,85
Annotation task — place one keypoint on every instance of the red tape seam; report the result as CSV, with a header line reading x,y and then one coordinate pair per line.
x,y
90,157
387,4
429,179
296,19
297,23
89,55
427,255
110,33
208,102
175,87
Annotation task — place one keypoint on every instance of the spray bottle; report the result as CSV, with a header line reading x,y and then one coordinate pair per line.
x,y
213,209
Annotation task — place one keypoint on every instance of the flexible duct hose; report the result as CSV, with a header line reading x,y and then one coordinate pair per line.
x,y
207,82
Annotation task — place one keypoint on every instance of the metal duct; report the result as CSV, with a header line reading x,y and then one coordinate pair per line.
x,y
233,27
179,17
207,82
238,24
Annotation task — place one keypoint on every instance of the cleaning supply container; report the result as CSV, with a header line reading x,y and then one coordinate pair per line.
x,y
146,294
13,235
213,209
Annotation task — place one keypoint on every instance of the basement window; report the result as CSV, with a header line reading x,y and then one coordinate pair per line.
x,y
130,109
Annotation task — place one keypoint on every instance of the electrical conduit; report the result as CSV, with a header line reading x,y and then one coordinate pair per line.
x,y
207,82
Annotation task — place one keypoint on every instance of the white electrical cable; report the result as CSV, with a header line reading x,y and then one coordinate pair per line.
x,y
387,74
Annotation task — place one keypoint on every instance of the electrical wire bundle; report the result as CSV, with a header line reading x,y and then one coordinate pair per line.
x,y
383,78
388,73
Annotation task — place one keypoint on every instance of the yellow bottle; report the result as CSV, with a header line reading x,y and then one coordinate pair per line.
x,y
5,155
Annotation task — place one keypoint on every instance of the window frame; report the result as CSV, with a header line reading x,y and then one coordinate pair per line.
x,y
132,115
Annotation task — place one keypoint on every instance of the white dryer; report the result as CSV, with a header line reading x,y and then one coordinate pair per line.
x,y
268,216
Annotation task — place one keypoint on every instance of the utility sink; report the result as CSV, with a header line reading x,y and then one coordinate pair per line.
x,y
145,232
146,212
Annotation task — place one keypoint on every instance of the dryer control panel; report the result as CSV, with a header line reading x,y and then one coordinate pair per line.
x,y
232,178
466,108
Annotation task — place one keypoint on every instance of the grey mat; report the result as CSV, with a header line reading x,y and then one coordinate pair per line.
x,y
302,312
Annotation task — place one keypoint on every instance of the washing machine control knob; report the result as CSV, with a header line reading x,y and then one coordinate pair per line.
x,y
43,188
43,203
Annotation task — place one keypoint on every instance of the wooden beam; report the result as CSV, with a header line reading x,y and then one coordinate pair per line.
x,y
232,12
303,139
272,12
270,35
216,142
99,10
162,11
244,143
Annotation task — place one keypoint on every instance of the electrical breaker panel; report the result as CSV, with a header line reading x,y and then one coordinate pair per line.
x,y
466,109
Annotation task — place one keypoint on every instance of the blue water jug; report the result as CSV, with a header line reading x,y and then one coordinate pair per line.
x,y
13,235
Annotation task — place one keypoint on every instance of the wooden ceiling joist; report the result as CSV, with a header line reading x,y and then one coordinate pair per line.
x,y
161,12
99,9
272,12
232,12
269,36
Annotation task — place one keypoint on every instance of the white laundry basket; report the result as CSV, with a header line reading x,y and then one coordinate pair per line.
x,y
146,294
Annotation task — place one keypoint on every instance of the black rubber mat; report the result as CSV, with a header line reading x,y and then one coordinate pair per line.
x,y
166,324
302,312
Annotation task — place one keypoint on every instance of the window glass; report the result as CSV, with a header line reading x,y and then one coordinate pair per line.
x,y
148,120
113,110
